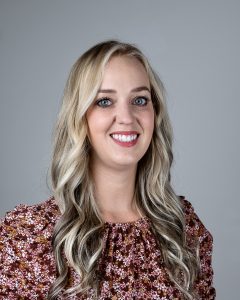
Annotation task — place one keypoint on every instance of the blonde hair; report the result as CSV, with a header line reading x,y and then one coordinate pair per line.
x,y
77,240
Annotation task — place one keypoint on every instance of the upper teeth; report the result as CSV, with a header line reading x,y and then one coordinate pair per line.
x,y
124,138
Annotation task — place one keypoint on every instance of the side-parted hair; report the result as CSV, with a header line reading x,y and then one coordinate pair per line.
x,y
77,240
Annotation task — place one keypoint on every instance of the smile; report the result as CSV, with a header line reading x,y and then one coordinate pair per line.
x,y
124,138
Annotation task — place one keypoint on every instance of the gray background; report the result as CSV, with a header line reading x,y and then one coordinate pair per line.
x,y
195,48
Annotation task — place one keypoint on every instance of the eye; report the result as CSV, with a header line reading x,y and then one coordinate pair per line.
x,y
104,102
141,101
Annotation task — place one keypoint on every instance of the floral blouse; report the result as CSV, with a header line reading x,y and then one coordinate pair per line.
x,y
131,264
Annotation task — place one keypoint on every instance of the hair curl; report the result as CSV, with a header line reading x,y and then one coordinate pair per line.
x,y
77,236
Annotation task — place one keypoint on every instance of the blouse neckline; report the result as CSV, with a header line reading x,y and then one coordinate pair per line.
x,y
137,222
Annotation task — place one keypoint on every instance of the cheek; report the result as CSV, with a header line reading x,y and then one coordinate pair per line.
x,y
98,123
149,122
91,123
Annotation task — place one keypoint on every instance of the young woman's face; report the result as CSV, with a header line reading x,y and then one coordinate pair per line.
x,y
121,119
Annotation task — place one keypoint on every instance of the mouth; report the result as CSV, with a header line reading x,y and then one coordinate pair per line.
x,y
125,137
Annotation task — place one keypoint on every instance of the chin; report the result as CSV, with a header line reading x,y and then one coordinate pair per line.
x,y
127,162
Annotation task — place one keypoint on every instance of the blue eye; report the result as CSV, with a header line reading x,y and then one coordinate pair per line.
x,y
141,101
104,102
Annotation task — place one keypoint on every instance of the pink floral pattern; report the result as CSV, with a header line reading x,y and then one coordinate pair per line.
x,y
130,267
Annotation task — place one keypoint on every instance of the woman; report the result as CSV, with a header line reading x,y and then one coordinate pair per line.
x,y
114,228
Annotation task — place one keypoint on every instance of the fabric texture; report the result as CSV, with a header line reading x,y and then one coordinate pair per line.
x,y
131,265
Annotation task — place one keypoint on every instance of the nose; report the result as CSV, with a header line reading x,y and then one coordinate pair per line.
x,y
124,114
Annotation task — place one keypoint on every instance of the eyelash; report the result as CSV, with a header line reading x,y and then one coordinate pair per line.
x,y
108,99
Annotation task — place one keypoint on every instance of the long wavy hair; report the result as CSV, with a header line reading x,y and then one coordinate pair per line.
x,y
77,240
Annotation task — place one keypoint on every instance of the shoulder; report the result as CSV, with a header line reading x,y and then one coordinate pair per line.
x,y
194,226
198,237
25,250
28,225
32,218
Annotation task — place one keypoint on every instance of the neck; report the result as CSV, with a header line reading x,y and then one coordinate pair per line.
x,y
114,192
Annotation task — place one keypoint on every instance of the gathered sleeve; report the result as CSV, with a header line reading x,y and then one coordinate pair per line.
x,y
26,263
195,230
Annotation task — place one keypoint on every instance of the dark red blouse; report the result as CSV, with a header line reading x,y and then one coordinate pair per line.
x,y
131,265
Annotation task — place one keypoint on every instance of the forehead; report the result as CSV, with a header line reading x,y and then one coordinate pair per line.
x,y
125,70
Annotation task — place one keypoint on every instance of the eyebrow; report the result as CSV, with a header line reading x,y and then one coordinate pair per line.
x,y
137,89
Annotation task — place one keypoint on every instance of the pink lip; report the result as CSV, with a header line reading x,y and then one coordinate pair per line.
x,y
126,144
